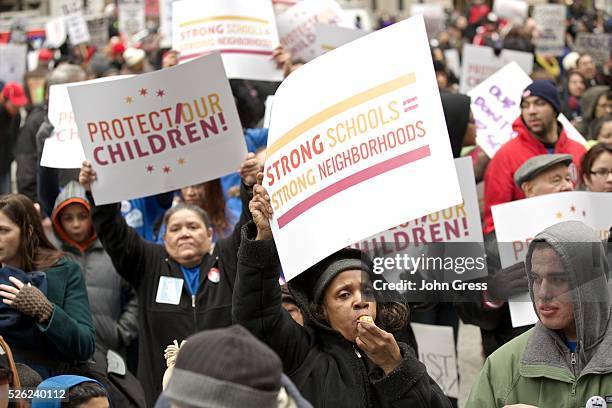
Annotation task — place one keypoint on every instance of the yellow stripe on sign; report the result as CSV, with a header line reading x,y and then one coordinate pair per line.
x,y
328,47
217,18
340,107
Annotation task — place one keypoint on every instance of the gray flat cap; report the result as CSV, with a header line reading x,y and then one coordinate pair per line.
x,y
539,164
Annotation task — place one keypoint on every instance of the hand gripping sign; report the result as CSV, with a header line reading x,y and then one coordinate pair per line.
x,y
366,150
159,131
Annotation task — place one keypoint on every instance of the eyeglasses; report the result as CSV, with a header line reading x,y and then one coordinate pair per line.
x,y
603,173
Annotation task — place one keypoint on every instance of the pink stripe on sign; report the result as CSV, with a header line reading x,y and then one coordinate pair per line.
x,y
407,101
409,108
225,51
352,180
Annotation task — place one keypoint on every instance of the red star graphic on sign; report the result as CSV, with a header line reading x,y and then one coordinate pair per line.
x,y
167,169
150,168
161,93
573,209
143,92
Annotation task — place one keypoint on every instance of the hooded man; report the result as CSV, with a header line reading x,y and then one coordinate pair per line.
x,y
565,359
538,132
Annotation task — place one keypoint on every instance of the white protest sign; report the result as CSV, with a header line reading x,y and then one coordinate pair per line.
x,y
13,62
459,223
453,61
330,37
518,222
165,22
78,32
65,7
165,129
32,60
55,32
131,17
364,127
434,17
296,26
513,10
244,32
496,105
437,352
599,46
98,31
63,149
479,63
268,111
550,20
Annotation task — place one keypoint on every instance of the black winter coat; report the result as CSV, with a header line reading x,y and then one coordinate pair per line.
x,y
142,264
328,370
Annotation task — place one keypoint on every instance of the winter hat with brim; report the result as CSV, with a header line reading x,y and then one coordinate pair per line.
x,y
344,260
546,90
227,368
539,164
57,388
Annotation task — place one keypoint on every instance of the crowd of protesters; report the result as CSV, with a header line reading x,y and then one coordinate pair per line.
x,y
97,298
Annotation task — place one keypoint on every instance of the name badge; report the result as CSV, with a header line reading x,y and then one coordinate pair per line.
x,y
169,290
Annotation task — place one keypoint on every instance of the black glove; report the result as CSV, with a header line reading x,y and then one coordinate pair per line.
x,y
508,282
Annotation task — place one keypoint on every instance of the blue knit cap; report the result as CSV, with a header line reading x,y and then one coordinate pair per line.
x,y
546,90
59,386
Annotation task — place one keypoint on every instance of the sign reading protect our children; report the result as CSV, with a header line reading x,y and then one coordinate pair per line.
x,y
518,222
337,167
159,131
296,26
457,224
244,32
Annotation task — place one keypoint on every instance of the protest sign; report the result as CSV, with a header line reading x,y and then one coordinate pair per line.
x,y
330,37
514,11
78,33
458,224
244,32
518,222
13,66
550,20
98,31
152,8
479,63
165,129
364,127
55,30
65,7
296,26
131,17
452,61
433,15
496,105
268,111
437,352
165,22
598,46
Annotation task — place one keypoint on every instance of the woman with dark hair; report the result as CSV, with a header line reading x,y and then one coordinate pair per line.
x,y
596,167
573,89
346,354
182,286
48,319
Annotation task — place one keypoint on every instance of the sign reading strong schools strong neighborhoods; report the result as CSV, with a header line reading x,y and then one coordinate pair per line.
x,y
369,138
159,131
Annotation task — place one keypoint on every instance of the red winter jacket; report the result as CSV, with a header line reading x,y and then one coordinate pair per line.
x,y
499,176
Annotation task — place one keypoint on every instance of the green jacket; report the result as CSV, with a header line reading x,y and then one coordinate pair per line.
x,y
70,328
537,368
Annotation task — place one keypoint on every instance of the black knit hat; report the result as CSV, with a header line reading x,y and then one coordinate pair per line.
x,y
546,90
226,367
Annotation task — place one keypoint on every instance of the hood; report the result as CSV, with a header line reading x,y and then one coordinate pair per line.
x,y
588,101
457,113
59,383
72,193
585,260
302,286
